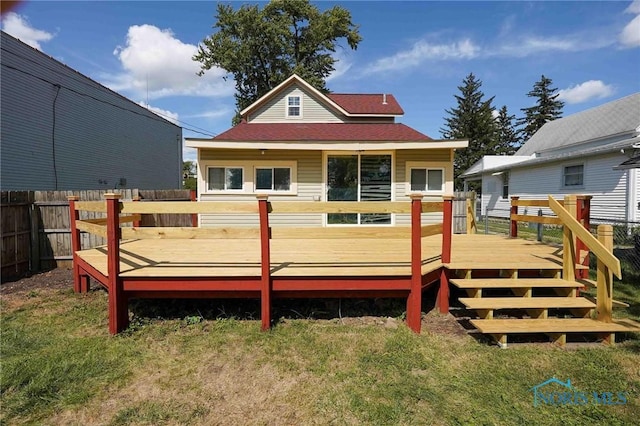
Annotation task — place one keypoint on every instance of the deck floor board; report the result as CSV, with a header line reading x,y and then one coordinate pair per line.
x,y
319,257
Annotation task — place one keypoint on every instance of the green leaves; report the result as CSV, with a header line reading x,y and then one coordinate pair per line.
x,y
547,107
261,48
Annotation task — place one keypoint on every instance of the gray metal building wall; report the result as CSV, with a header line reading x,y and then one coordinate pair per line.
x,y
60,130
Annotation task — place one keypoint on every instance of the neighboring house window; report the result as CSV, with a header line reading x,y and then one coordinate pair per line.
x,y
225,178
505,185
294,106
426,179
573,175
273,178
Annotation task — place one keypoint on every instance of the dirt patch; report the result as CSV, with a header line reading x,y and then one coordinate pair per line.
x,y
56,279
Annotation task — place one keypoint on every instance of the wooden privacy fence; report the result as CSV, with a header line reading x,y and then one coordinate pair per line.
x,y
118,212
464,212
36,227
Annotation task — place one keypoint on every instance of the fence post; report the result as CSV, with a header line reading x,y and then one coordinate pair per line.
x,y
486,221
265,262
443,291
583,216
604,302
136,223
540,226
194,216
514,223
118,303
472,227
34,217
76,246
569,243
414,301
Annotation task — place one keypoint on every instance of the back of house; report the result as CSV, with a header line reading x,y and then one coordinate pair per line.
x,y
298,144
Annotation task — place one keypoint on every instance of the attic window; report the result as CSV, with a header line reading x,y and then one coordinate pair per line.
x,y
294,106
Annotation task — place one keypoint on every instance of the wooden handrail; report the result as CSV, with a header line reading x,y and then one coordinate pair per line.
x,y
92,228
186,207
536,219
188,233
589,240
91,206
533,203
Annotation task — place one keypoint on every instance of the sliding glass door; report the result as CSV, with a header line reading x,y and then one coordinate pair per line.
x,y
359,177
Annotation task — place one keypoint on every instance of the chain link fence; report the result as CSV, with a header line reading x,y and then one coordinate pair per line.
x,y
626,236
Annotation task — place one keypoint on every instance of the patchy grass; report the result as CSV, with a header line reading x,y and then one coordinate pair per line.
x,y
198,363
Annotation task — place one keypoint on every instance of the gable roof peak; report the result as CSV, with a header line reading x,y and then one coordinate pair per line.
x,y
348,104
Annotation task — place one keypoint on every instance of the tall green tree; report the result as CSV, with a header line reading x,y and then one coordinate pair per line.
x,y
547,108
471,119
260,48
507,138
189,180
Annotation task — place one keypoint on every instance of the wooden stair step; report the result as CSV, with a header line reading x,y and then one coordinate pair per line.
x,y
515,283
526,302
550,325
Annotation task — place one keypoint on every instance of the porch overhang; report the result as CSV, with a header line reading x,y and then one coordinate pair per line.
x,y
326,145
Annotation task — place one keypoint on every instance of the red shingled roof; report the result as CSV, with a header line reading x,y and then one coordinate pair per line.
x,y
366,103
358,132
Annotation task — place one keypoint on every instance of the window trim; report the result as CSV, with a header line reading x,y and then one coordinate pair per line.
x,y
272,167
425,165
224,191
248,184
286,107
564,176
505,184
325,178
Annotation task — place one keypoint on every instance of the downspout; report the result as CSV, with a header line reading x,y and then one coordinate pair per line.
x,y
633,198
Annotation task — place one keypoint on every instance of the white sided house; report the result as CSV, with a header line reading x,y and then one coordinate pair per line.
x,y
62,130
595,152
298,144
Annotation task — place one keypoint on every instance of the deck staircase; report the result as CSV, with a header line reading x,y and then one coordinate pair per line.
x,y
508,306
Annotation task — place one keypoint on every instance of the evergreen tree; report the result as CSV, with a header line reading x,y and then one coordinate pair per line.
x,y
547,108
507,139
473,120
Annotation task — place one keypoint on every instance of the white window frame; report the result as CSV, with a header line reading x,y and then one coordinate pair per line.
x,y
224,191
325,178
564,175
248,172
505,183
411,165
286,107
272,191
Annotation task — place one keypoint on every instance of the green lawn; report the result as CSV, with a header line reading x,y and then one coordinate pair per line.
x,y
195,363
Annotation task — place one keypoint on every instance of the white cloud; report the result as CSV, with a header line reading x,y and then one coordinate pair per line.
x,y
213,114
592,89
166,114
423,50
157,64
342,65
630,35
634,8
19,27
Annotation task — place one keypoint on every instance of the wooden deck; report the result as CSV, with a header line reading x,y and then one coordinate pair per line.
x,y
318,257
277,262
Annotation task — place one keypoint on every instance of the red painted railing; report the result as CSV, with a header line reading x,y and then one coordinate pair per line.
x,y
118,298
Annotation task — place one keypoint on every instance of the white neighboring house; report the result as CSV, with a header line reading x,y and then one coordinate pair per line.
x,y
595,152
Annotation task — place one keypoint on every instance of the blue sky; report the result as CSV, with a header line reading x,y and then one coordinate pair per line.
x,y
419,51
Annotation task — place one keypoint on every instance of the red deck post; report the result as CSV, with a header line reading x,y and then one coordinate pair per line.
x,y
514,223
447,230
583,216
118,309
414,301
75,242
265,262
136,223
194,216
